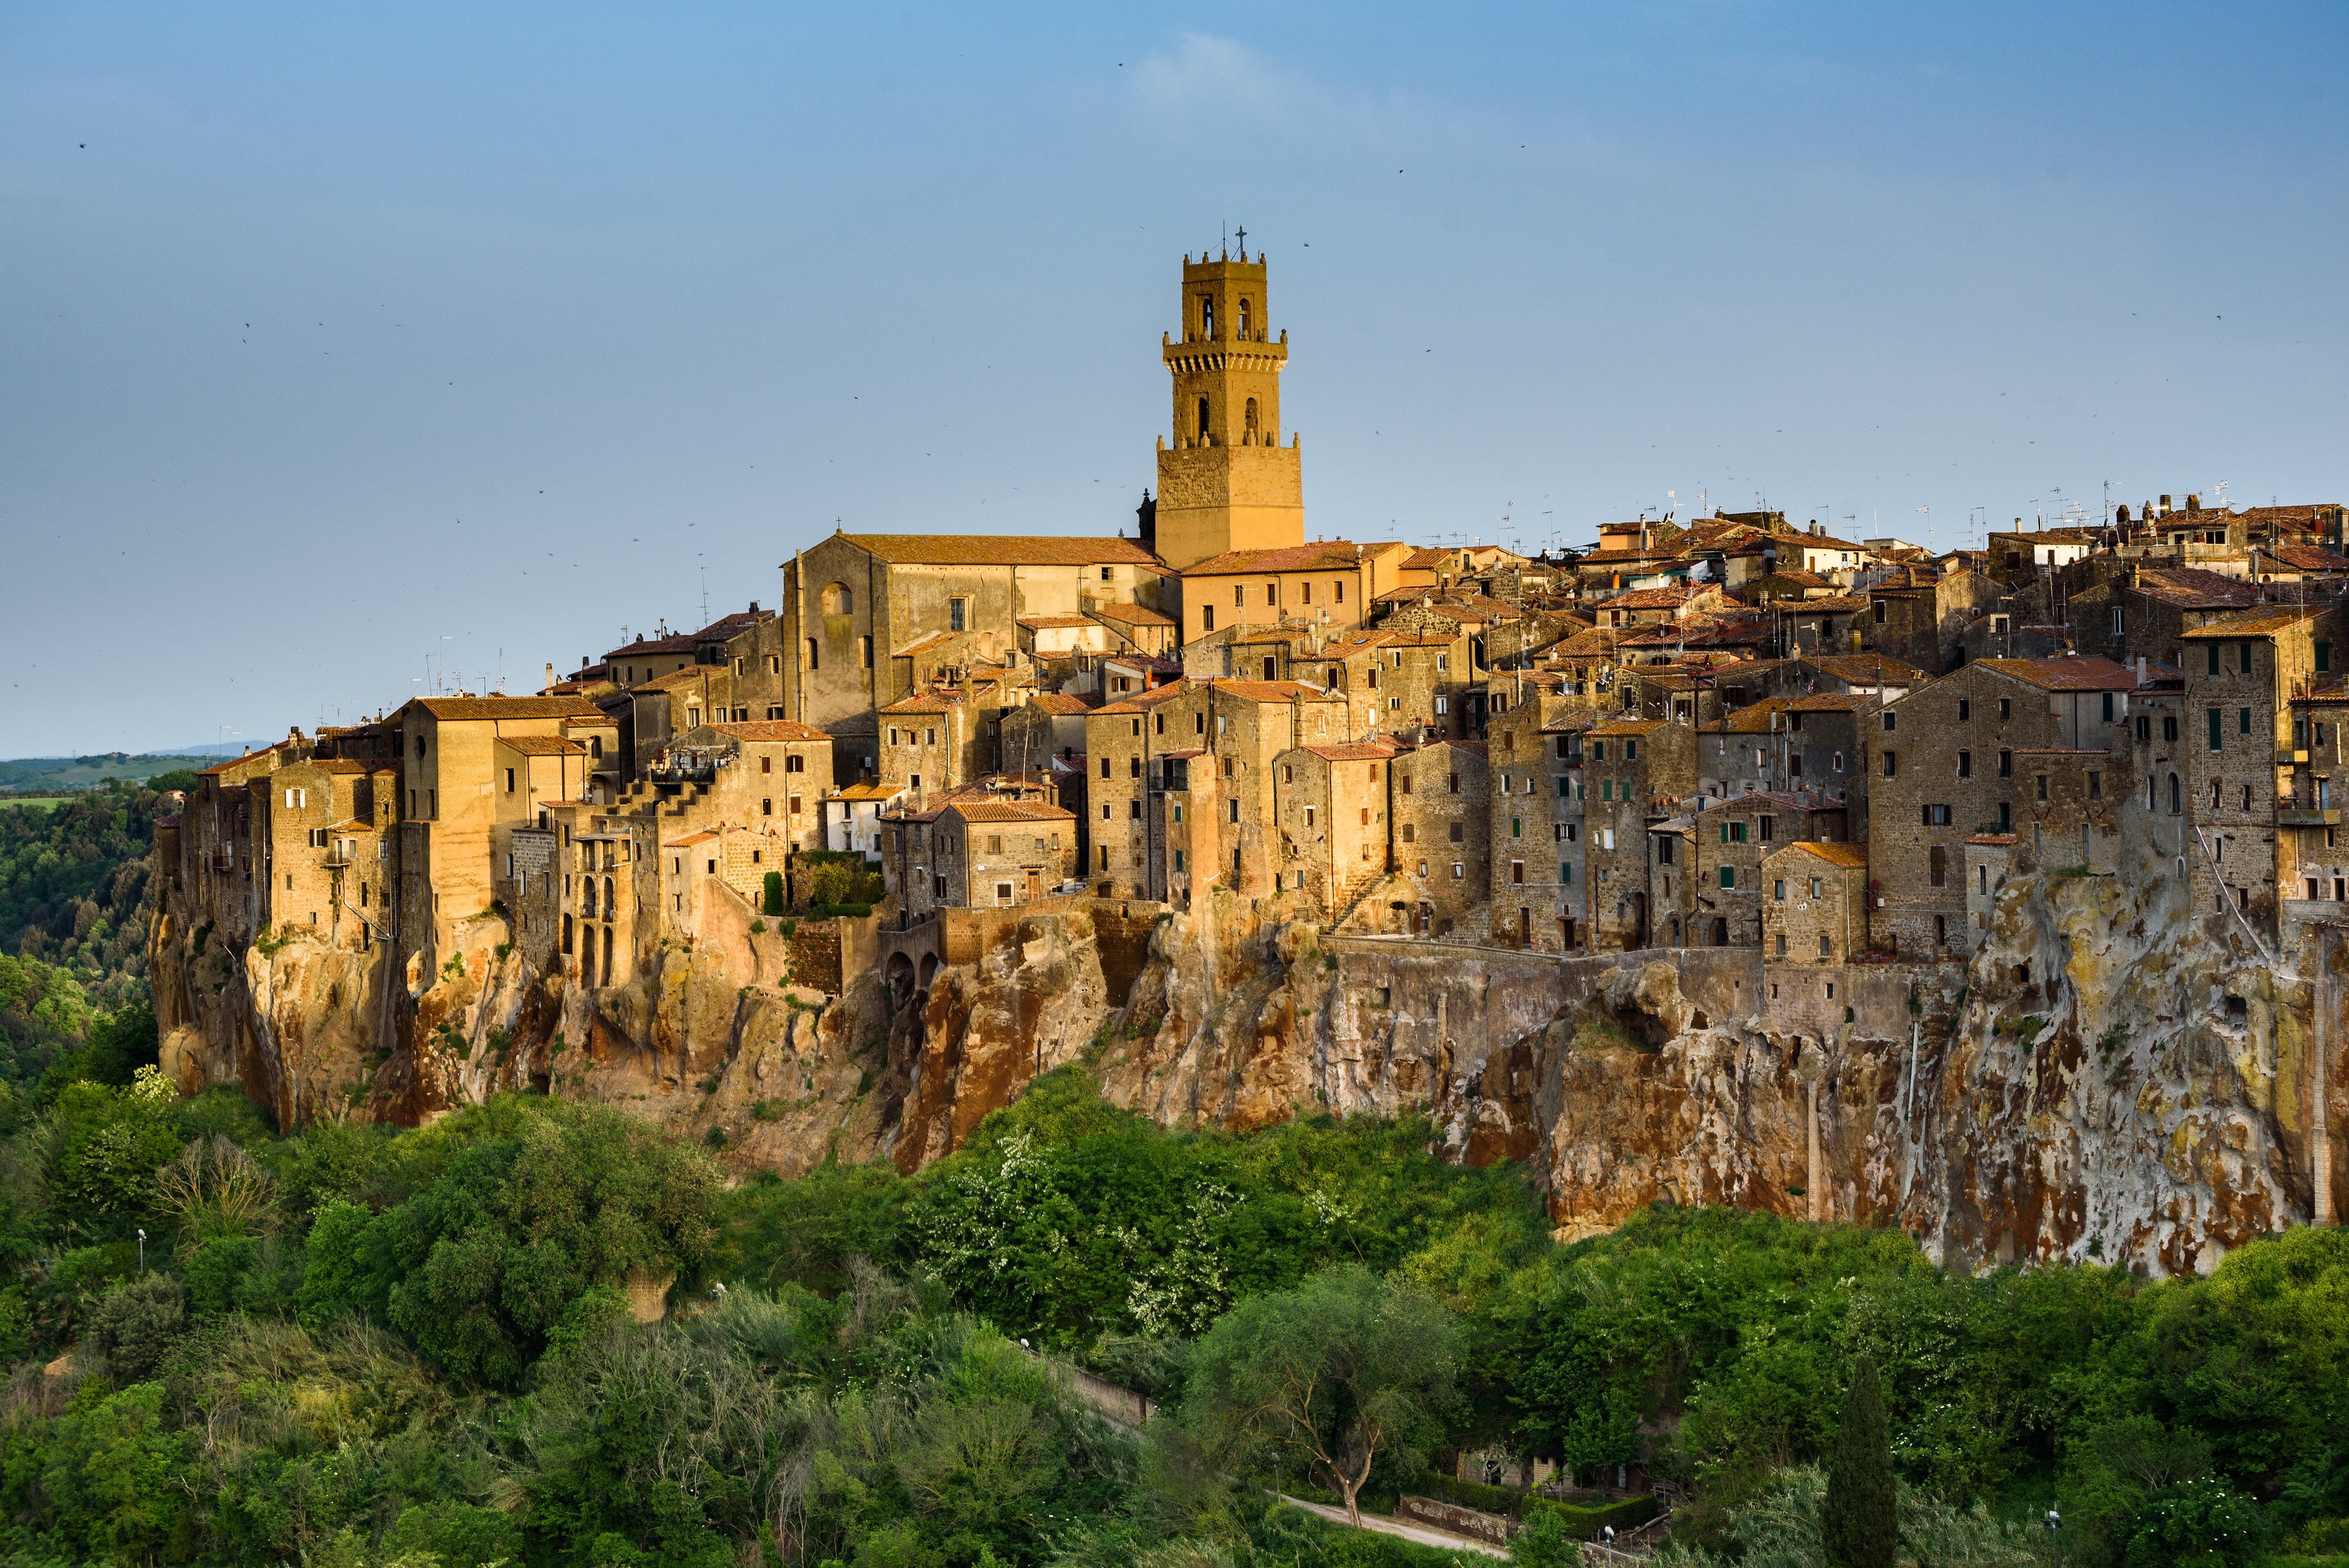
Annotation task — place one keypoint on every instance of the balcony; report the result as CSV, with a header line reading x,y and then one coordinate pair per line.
x,y
2308,816
2287,757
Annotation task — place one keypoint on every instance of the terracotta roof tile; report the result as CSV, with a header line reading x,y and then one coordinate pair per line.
x,y
771,729
457,708
1060,703
1054,623
542,745
1325,555
1130,616
2068,672
1010,812
998,550
2254,623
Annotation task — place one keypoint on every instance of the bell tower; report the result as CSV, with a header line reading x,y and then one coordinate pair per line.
x,y
1225,480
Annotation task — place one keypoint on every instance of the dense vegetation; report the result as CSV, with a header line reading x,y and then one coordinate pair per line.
x,y
75,896
358,1346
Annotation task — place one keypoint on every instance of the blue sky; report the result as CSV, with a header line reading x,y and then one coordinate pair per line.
x,y
338,339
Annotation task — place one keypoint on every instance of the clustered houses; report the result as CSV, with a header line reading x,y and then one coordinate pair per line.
x,y
1731,731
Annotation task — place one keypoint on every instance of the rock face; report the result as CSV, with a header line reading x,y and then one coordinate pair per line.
x,y
2112,1075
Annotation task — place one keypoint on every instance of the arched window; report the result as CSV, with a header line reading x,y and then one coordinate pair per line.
x,y
589,906
839,601
607,955
611,905
1246,324
1203,418
767,808
1250,437
1207,316
566,933
596,747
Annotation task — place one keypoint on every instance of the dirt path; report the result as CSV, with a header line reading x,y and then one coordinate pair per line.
x,y
1424,1535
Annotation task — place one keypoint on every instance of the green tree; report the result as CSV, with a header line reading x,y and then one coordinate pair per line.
x,y
1861,1526
771,901
1345,1371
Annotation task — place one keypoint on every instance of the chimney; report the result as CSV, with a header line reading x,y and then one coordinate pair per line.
x,y
2165,506
754,606
2140,669
2194,503
550,675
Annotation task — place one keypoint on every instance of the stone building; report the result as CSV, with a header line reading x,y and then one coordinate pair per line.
x,y
1330,809
1537,838
1227,730
853,594
1815,909
1439,804
323,842
931,742
2241,673
1635,770
1948,771
1330,585
990,854
1717,884
2142,615
451,775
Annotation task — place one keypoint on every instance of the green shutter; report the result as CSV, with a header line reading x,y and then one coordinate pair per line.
x,y
1729,876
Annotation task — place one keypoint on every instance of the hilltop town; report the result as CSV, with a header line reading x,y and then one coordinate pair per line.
x,y
1903,810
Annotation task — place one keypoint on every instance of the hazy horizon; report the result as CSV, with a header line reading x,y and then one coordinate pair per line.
x,y
339,342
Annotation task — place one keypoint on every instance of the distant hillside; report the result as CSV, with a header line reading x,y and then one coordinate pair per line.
x,y
62,773
74,891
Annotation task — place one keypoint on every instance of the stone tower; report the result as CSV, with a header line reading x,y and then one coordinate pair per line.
x,y
1226,482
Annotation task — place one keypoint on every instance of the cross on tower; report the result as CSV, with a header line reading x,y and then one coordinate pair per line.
x,y
1241,234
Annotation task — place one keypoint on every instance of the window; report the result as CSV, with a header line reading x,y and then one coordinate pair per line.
x,y
2096,786
1207,617
1891,764
814,660
1272,593
2323,656
1631,748
865,650
1729,876
2213,650
839,601
1778,892
2243,651
1517,871
1825,950
2215,741
1965,764
1203,420
2006,764
1457,834
767,808
1206,319
1664,850
2169,726
2242,721
1965,709
1458,870
2120,620
1782,940
1339,590
1937,816
2005,708
1891,720
1733,833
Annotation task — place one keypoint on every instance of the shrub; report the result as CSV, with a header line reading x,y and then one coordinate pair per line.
x,y
771,894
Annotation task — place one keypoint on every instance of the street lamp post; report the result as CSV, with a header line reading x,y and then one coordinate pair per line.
x,y
142,1250
2055,1537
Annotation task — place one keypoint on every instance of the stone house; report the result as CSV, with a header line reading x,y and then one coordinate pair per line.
x,y
1136,628
1720,867
325,831
931,742
852,818
1815,906
1048,724
451,775
990,854
2143,612
1739,751
1439,807
1920,619
1058,636
1824,743
1537,838
1330,811
2241,673
854,593
1122,739
1331,584
1635,770
1948,771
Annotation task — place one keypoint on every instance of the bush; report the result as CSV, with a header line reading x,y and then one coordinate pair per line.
x,y
833,911
771,901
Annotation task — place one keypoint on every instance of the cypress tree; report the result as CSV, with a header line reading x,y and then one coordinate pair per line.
x,y
1860,1528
